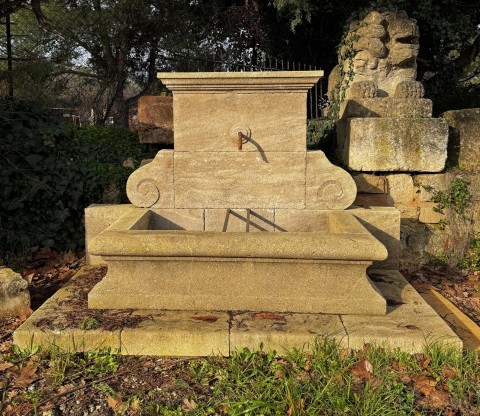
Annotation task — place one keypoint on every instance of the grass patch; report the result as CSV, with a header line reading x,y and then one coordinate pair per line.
x,y
326,379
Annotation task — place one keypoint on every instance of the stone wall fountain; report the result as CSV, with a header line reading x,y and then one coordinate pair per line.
x,y
239,236
240,157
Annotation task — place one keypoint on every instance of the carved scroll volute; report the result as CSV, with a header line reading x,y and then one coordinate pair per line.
x,y
327,186
151,186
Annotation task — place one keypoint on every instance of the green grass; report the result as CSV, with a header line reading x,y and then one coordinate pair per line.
x,y
325,379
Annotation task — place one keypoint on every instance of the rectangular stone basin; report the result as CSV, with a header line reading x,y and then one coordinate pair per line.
x,y
155,263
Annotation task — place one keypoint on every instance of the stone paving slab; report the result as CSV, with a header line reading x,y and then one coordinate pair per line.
x,y
178,333
410,322
283,331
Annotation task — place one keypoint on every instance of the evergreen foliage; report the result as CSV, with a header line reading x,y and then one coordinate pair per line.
x,y
49,172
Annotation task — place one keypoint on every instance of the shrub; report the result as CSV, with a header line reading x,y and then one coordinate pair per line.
x,y
49,172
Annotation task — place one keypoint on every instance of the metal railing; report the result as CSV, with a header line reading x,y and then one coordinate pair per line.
x,y
260,61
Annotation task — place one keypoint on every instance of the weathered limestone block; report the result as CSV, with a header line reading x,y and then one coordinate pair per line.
x,y
393,144
464,144
301,221
283,332
386,107
473,180
152,184
212,108
211,122
240,180
401,190
240,284
327,186
156,111
476,218
182,334
97,219
429,216
177,219
369,184
239,220
155,119
429,184
14,295
384,224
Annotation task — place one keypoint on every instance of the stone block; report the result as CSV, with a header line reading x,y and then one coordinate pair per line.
x,y
370,184
372,200
438,182
301,221
239,284
473,185
476,217
393,144
157,111
152,184
464,143
429,216
158,135
212,108
408,333
400,189
237,220
384,224
178,333
327,186
97,219
71,339
408,211
50,325
177,219
398,292
240,180
211,122
282,332
14,294
408,324
386,107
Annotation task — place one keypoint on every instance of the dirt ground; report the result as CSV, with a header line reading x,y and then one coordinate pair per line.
x,y
166,379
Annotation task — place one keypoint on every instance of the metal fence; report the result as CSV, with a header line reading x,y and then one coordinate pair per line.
x,y
258,61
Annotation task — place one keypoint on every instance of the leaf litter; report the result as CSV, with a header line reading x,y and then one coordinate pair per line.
x,y
28,382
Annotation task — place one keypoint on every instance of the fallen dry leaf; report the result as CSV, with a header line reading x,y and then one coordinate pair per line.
x,y
189,405
5,365
66,388
422,360
363,370
297,405
448,372
115,403
279,374
27,375
437,399
68,257
425,385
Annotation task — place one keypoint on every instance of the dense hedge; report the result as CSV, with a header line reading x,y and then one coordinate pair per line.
x,y
49,172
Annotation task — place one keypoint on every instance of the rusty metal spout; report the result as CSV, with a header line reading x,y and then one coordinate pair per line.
x,y
240,140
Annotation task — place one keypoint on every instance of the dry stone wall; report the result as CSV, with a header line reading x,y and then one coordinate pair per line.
x,y
426,234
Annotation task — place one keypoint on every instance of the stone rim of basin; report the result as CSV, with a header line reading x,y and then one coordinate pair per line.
x,y
346,239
